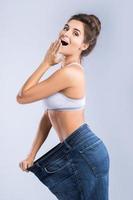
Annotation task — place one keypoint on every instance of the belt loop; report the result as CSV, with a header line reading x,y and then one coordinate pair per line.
x,y
67,145
37,164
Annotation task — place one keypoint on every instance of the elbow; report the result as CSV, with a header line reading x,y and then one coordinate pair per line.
x,y
23,99
19,99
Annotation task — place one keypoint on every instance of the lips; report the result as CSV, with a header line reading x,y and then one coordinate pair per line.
x,y
64,42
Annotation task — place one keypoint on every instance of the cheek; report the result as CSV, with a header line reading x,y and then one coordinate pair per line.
x,y
76,43
77,40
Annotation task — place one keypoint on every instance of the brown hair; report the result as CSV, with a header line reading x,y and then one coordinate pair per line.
x,y
92,27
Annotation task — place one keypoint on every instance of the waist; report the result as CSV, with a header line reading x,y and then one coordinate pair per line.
x,y
82,134
64,122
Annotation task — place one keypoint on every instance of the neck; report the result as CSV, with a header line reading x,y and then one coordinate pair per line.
x,y
68,60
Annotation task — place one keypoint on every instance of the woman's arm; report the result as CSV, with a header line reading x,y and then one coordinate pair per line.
x,y
42,133
49,60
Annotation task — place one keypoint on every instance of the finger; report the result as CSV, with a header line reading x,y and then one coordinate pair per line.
x,y
25,165
56,45
51,46
55,48
29,165
27,169
20,165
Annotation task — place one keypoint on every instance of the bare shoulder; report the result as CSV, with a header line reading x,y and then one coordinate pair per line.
x,y
73,71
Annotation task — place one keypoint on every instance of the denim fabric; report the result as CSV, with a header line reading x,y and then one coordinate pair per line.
x,y
77,168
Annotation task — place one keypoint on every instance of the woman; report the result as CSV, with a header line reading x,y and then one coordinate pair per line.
x,y
77,168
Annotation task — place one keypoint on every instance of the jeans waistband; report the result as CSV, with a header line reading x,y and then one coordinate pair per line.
x,y
81,134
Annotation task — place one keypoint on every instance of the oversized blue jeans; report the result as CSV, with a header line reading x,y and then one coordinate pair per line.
x,y
77,168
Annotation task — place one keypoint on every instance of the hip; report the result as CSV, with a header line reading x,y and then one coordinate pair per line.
x,y
83,145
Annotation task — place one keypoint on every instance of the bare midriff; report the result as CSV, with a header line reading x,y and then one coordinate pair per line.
x,y
66,122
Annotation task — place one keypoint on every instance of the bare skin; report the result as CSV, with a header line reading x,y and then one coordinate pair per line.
x,y
68,80
65,122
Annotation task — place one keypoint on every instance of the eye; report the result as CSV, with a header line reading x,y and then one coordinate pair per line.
x,y
65,28
76,34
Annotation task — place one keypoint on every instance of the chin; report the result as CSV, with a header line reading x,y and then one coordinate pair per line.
x,y
65,52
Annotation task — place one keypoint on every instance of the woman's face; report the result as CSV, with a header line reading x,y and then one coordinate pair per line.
x,y
73,34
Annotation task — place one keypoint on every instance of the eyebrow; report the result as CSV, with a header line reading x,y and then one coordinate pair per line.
x,y
74,28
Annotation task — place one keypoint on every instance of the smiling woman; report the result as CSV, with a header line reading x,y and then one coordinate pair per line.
x,y
78,166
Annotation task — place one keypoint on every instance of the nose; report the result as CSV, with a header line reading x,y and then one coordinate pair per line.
x,y
67,34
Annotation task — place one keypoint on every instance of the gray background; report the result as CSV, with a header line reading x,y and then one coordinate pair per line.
x,y
27,28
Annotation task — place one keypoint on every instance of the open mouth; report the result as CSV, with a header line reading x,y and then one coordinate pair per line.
x,y
64,43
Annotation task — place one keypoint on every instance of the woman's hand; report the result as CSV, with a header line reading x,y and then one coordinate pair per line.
x,y
28,162
52,56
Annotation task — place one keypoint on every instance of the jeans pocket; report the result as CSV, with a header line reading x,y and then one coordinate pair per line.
x,y
97,158
52,172
55,165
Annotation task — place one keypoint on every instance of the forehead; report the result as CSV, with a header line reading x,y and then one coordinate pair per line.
x,y
75,24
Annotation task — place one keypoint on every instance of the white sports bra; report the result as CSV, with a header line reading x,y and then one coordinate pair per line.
x,y
59,101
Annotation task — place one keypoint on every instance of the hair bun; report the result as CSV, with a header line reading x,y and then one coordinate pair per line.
x,y
94,23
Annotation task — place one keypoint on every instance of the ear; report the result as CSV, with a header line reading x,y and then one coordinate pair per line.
x,y
84,46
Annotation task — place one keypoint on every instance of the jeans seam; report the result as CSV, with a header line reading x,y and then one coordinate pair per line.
x,y
75,171
55,171
91,146
82,143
